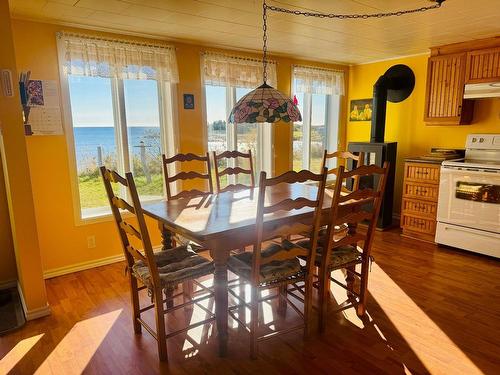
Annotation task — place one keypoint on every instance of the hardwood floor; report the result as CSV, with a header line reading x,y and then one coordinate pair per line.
x,y
430,310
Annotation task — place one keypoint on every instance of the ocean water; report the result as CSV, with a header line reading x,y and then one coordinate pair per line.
x,y
89,139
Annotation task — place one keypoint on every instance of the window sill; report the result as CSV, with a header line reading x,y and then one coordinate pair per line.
x,y
103,214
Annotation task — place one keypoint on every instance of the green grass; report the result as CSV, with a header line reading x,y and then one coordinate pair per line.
x,y
93,194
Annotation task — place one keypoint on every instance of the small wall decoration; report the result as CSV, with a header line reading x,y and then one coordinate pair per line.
x,y
361,110
188,101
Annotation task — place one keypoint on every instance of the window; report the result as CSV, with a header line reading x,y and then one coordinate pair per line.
x,y
227,79
120,114
317,92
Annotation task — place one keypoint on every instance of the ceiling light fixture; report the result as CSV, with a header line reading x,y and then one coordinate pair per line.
x,y
265,103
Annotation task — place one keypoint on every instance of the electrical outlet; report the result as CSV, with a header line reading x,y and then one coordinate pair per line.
x,y
91,242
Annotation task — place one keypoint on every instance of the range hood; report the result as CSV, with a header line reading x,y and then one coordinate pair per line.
x,y
482,90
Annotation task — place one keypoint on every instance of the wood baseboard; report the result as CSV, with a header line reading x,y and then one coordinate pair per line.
x,y
54,272
33,313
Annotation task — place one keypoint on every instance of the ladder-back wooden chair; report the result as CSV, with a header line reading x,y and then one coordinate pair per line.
x,y
277,265
187,175
233,171
159,272
353,249
188,160
346,158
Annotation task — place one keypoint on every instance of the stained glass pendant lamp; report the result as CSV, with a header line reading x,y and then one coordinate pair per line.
x,y
265,103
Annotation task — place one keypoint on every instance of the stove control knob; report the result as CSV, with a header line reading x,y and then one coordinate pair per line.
x,y
474,140
481,140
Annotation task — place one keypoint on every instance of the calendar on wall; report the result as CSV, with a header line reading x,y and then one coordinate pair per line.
x,y
44,107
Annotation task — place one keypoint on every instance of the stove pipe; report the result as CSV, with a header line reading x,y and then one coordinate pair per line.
x,y
379,109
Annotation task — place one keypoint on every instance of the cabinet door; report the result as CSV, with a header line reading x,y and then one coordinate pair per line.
x,y
444,102
483,66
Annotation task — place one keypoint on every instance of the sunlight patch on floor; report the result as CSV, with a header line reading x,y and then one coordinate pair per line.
x,y
74,352
198,335
17,353
429,343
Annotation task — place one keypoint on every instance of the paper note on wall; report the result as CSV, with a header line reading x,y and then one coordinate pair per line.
x,y
45,113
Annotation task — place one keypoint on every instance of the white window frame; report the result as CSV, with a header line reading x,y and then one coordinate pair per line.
x,y
168,134
264,131
332,115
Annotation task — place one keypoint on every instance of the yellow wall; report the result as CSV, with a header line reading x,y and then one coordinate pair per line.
x,y
405,123
8,261
18,183
62,243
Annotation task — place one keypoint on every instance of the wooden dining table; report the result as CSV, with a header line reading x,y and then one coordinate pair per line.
x,y
226,221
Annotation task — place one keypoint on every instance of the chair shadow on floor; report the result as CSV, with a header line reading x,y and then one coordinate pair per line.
x,y
94,334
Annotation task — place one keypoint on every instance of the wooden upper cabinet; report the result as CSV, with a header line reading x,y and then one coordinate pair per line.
x,y
444,103
483,66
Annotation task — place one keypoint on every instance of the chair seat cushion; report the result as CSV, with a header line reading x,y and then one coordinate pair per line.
x,y
174,266
275,271
339,256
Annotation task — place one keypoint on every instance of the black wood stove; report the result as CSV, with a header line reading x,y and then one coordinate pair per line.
x,y
395,85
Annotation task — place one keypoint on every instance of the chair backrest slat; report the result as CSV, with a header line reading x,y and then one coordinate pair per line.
x,y
275,187
356,207
366,194
126,229
286,230
130,229
233,171
122,204
290,204
187,175
345,157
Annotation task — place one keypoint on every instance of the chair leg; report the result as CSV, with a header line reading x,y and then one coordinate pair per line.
x,y
324,296
160,325
308,288
254,323
168,295
349,279
187,291
282,290
134,293
361,308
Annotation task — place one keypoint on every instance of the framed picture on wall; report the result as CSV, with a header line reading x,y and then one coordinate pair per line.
x,y
361,110
188,101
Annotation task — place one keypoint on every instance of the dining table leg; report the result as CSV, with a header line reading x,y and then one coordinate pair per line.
x,y
221,298
166,237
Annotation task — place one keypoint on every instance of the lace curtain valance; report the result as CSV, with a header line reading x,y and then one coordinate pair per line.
x,y
98,57
226,70
318,81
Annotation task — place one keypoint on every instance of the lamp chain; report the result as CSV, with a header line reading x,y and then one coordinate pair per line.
x,y
353,16
295,12
264,39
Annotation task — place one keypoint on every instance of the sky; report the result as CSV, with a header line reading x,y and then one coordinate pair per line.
x,y
91,102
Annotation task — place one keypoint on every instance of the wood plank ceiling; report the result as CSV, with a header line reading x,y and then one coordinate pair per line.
x,y
237,24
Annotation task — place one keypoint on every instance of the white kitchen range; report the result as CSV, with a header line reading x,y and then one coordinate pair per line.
x,y
469,198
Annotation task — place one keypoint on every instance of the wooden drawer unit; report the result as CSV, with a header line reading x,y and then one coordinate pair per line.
x,y
420,191
419,208
419,172
417,227
420,195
